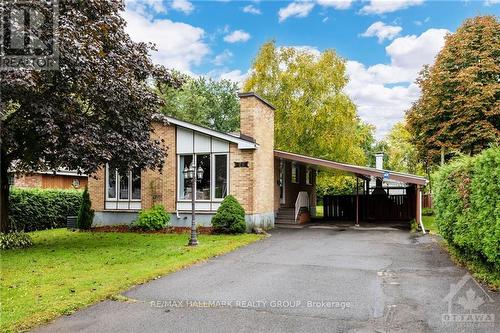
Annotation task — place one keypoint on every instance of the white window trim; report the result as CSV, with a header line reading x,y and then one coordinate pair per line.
x,y
212,177
212,183
117,183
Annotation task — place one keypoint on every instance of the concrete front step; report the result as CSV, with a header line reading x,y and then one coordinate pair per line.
x,y
285,216
285,221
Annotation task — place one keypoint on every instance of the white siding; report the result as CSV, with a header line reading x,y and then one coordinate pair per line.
x,y
201,143
219,146
184,141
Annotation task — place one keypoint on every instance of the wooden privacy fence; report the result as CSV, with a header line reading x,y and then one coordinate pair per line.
x,y
427,201
371,207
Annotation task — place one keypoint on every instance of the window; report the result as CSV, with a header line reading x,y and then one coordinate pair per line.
x,y
309,175
214,183
203,184
295,173
122,189
136,184
123,186
220,176
111,184
184,184
129,185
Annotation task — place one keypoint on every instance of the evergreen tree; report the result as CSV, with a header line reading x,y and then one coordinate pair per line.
x,y
86,213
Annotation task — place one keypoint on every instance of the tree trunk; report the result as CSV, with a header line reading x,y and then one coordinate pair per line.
x,y
4,192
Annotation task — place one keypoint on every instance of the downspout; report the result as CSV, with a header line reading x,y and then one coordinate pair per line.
x,y
419,192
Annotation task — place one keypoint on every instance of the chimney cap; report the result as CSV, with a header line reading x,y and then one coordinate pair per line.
x,y
252,94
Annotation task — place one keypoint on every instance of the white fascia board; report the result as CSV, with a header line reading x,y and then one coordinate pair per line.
x,y
242,143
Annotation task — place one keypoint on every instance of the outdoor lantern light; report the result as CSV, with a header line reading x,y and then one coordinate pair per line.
x,y
193,174
200,172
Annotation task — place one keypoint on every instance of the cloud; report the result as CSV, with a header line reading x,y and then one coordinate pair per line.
x,y
251,9
179,45
183,6
337,4
222,58
491,2
237,36
383,92
419,22
382,31
295,9
235,75
145,5
388,6
307,48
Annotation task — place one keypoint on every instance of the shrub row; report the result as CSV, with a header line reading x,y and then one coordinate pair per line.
x,y
15,240
467,206
38,209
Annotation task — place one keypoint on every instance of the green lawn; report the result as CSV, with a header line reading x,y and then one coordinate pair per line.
x,y
430,224
319,211
66,270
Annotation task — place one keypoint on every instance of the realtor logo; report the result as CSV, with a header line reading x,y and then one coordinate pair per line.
x,y
465,299
29,35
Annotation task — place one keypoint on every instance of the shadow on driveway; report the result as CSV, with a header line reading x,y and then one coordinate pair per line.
x,y
307,280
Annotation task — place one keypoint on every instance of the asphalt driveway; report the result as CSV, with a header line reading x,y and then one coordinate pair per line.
x,y
308,280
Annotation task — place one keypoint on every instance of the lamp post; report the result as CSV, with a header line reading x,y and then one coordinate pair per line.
x,y
193,175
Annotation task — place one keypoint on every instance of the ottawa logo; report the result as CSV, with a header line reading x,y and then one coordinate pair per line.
x,y
465,299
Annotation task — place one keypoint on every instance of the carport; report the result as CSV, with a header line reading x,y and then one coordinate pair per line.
x,y
377,205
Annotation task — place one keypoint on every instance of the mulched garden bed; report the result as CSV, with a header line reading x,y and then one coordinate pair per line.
x,y
169,230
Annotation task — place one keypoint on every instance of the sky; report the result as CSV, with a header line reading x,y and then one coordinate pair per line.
x,y
385,43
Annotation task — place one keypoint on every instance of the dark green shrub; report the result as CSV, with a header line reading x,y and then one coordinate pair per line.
x,y
86,213
230,217
38,209
15,240
467,206
154,218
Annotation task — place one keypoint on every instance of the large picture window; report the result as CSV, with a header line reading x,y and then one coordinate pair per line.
x,y
203,184
184,184
220,176
213,186
122,187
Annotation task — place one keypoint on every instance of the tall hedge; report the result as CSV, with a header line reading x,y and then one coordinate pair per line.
x,y
38,209
467,205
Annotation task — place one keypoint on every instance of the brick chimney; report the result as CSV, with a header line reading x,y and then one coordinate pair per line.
x,y
256,183
256,117
379,161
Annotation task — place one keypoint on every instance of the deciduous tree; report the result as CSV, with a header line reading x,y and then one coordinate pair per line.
x,y
313,114
205,102
96,109
459,109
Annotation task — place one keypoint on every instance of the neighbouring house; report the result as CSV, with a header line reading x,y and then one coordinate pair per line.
x,y
62,179
388,186
271,185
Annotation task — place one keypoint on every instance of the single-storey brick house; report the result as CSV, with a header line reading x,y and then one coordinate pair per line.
x,y
239,164
265,181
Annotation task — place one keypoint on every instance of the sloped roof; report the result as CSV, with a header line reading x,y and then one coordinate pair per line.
x,y
351,168
243,143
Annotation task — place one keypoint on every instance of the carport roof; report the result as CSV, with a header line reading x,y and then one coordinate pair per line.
x,y
351,168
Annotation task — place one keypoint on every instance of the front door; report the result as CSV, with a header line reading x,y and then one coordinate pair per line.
x,y
282,182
